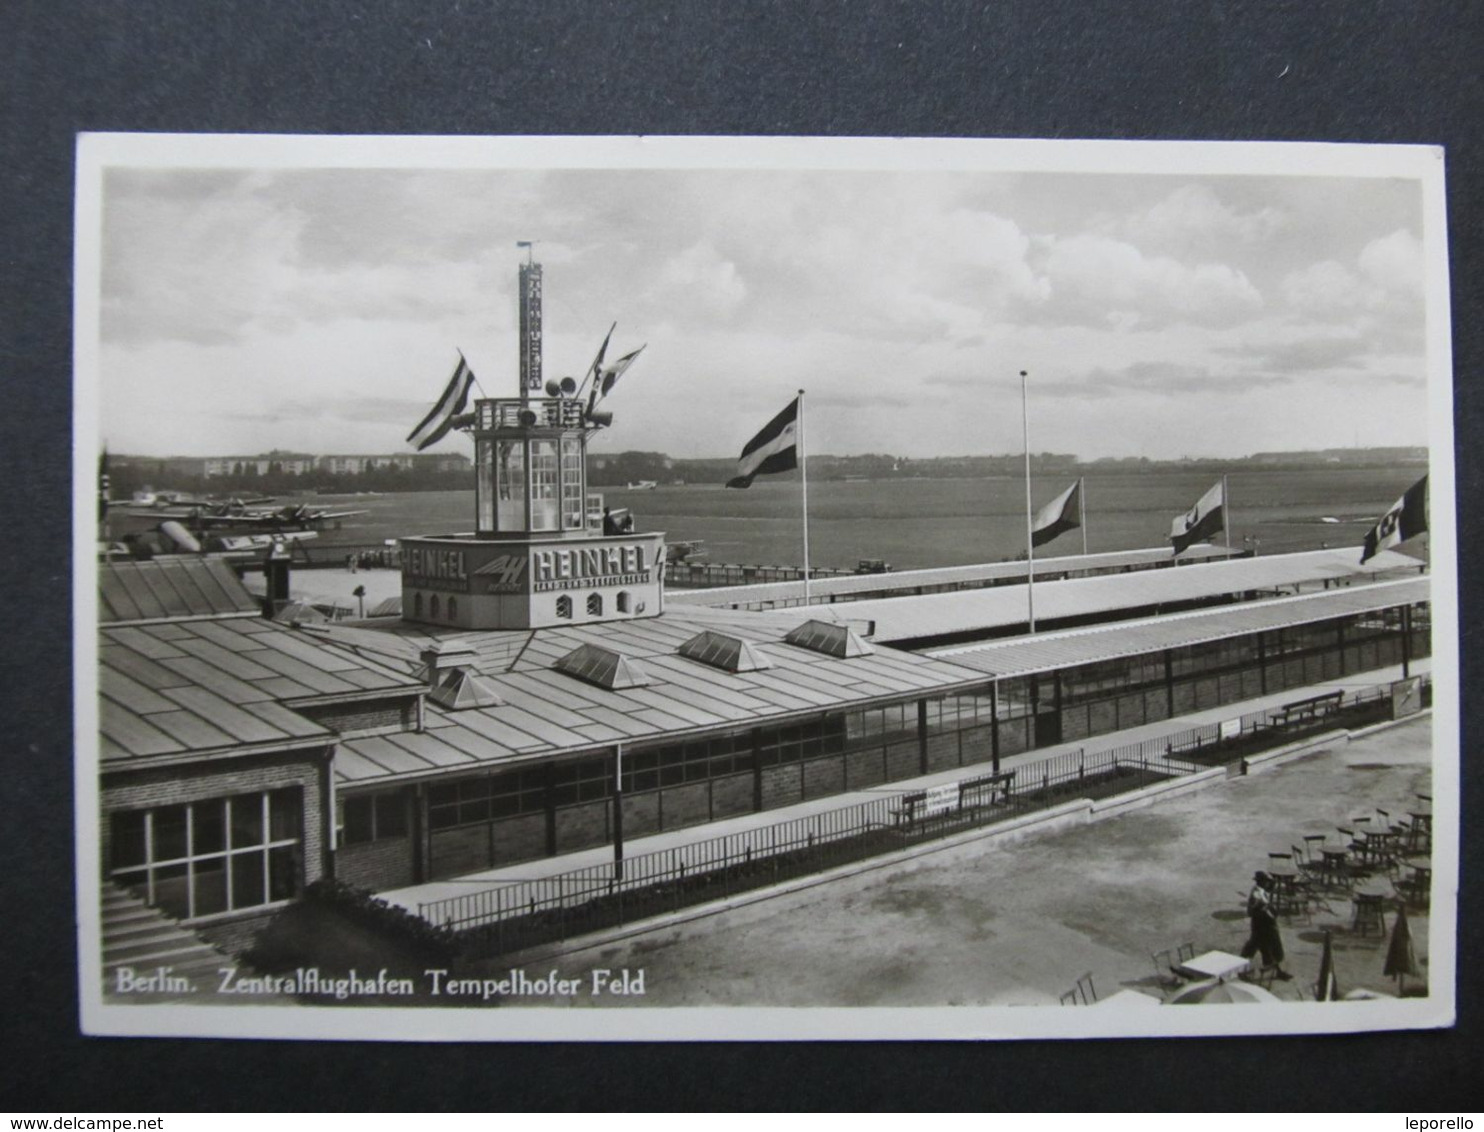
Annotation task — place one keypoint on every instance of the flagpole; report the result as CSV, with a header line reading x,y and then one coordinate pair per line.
x,y
804,480
1030,550
1082,510
1226,511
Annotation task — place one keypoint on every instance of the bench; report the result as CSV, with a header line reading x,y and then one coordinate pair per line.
x,y
953,798
1311,710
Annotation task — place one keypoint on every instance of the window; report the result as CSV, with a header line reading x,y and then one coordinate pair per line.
x,y
544,486
572,486
201,858
510,485
564,607
373,817
433,607
623,601
484,486
595,605
453,608
417,604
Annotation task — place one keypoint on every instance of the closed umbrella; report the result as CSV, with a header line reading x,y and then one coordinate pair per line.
x,y
1401,959
1218,991
1327,989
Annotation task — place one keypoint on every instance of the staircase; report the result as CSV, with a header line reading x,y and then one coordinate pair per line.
x,y
150,958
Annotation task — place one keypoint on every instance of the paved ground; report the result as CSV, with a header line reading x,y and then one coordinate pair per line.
x,y
986,925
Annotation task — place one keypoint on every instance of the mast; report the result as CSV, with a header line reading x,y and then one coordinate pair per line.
x,y
530,323
1030,549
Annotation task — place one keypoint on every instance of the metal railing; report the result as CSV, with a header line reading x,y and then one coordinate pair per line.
x,y
543,910
529,913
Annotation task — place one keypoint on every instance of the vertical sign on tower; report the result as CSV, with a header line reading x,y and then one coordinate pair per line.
x,y
530,327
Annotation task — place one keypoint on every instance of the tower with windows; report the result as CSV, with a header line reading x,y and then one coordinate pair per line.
x,y
543,551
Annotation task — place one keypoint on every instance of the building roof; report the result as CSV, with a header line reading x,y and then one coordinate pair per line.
x,y
1045,652
1002,607
545,711
849,586
183,689
175,588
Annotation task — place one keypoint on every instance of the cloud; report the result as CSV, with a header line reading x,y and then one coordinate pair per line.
x,y
1098,279
1194,220
1386,278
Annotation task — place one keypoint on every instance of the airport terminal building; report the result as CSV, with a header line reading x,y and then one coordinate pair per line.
x,y
543,694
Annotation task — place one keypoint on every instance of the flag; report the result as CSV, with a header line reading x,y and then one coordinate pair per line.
x,y
775,449
1062,514
440,419
594,371
1327,989
1406,519
1201,522
609,376
103,484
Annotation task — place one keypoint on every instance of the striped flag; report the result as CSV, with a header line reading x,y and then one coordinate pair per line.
x,y
440,419
775,449
610,374
1062,514
1201,522
1406,519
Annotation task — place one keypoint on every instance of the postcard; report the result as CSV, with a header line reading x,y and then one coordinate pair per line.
x,y
610,588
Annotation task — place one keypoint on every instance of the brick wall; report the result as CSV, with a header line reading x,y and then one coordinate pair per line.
x,y
581,827
863,768
903,760
641,813
780,786
824,776
520,839
399,713
237,934
386,863
456,851
732,795
686,805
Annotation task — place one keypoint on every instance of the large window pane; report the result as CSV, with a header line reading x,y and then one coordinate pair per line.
x,y
247,821
128,839
210,880
247,880
170,833
172,890
208,827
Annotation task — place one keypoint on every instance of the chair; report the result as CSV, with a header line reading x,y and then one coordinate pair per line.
x,y
1069,998
1184,952
1370,912
1089,993
1165,974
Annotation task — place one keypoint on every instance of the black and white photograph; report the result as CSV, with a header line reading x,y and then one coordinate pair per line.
x,y
619,588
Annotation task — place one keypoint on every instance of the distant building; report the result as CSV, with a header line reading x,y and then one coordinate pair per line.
x,y
356,465
294,463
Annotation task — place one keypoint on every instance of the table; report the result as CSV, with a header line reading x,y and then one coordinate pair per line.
x,y
1214,965
1130,997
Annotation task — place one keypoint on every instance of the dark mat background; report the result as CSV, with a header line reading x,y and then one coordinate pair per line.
x,y
1355,71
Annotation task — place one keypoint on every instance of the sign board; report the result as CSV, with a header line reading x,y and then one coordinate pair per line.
x,y
1230,728
940,799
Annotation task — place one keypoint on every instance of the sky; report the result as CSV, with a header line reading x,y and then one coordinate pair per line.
x,y
321,310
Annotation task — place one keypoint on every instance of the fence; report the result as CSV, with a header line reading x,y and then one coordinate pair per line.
x,y
705,575
529,913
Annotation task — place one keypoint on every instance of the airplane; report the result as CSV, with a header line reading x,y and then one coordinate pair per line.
x,y
644,485
171,537
685,552
295,516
